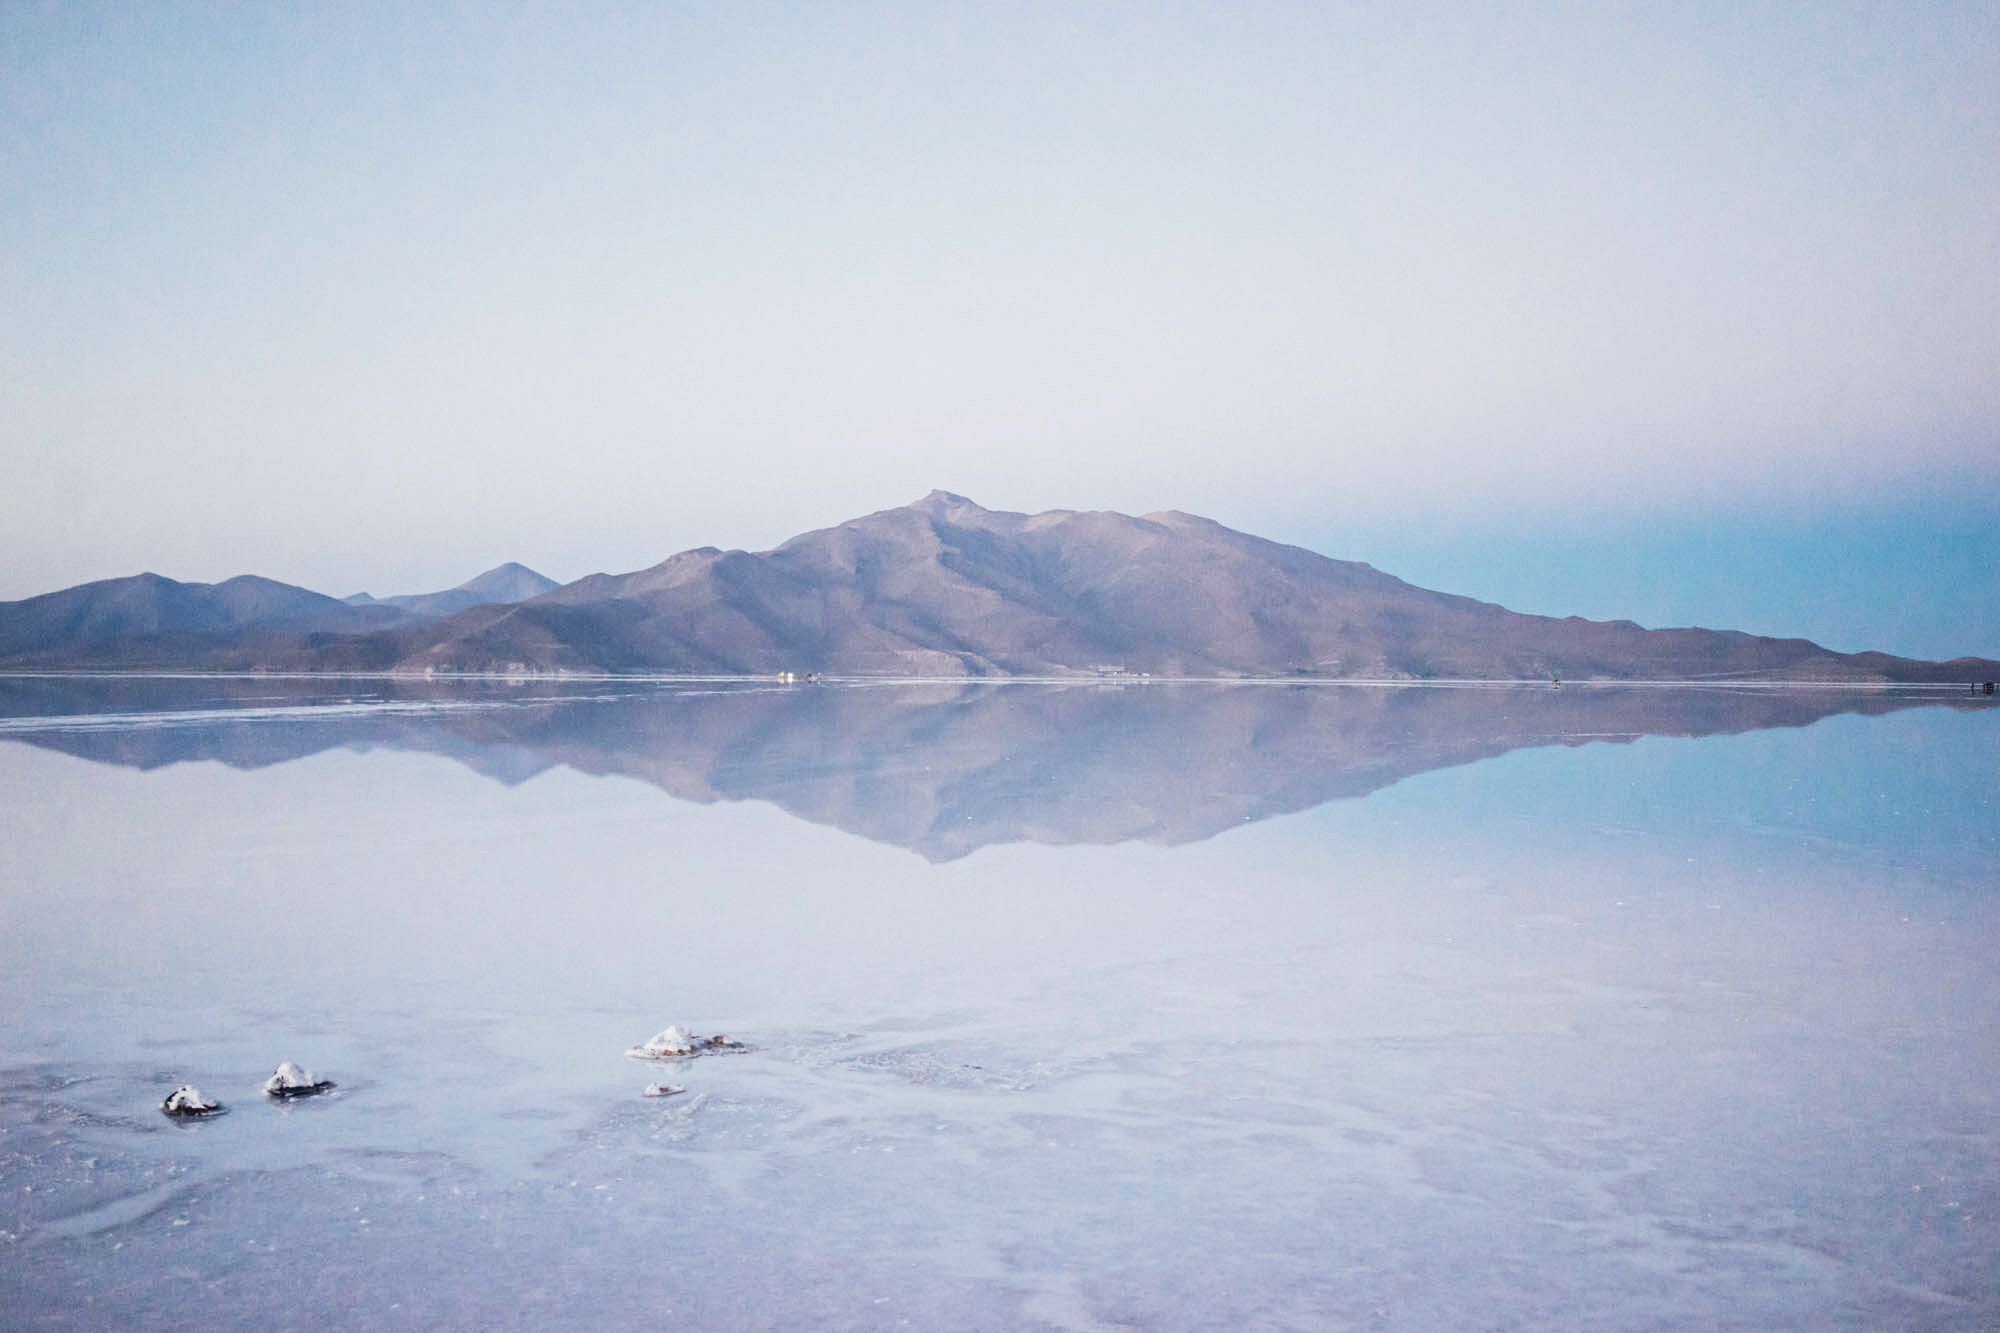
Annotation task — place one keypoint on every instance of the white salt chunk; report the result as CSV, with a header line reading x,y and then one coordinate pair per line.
x,y
676,1044
673,1041
292,1081
186,1100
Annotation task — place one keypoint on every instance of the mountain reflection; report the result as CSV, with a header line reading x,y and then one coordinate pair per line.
x,y
941,769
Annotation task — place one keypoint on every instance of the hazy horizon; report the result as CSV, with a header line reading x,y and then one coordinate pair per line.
x,y
1683,315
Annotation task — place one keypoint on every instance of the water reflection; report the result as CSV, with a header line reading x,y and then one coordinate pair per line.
x,y
1578,1026
940,769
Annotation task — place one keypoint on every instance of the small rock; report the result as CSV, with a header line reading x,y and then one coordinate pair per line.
x,y
187,1101
292,1081
663,1089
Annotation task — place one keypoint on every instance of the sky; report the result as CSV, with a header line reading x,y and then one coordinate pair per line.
x,y
1683,313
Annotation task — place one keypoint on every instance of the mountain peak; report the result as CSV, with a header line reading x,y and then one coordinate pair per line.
x,y
944,500
511,582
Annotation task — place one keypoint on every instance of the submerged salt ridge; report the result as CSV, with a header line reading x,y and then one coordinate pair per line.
x,y
1568,1038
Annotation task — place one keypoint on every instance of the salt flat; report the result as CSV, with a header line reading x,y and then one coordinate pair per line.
x,y
1646,1032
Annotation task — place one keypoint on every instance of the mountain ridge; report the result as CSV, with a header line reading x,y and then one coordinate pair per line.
x,y
944,587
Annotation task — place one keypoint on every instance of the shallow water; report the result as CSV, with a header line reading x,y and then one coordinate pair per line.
x,y
1169,1007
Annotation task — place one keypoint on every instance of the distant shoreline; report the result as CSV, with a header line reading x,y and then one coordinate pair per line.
x,y
668,678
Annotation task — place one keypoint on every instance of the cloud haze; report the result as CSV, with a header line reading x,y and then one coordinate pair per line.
x,y
377,297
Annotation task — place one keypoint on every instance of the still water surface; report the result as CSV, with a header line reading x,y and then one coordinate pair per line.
x,y
1180,1006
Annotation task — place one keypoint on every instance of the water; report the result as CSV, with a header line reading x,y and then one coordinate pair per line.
x,y
1176,1006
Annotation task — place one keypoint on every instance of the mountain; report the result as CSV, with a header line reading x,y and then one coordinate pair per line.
x,y
147,621
945,588
939,768
511,582
504,584
176,619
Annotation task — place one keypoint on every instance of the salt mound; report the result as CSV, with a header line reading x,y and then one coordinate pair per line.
x,y
664,1046
674,1044
186,1101
292,1081
663,1089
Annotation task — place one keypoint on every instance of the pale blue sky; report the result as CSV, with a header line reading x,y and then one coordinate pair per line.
x,y
1686,313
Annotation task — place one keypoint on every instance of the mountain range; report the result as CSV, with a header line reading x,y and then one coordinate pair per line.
x,y
161,621
937,588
